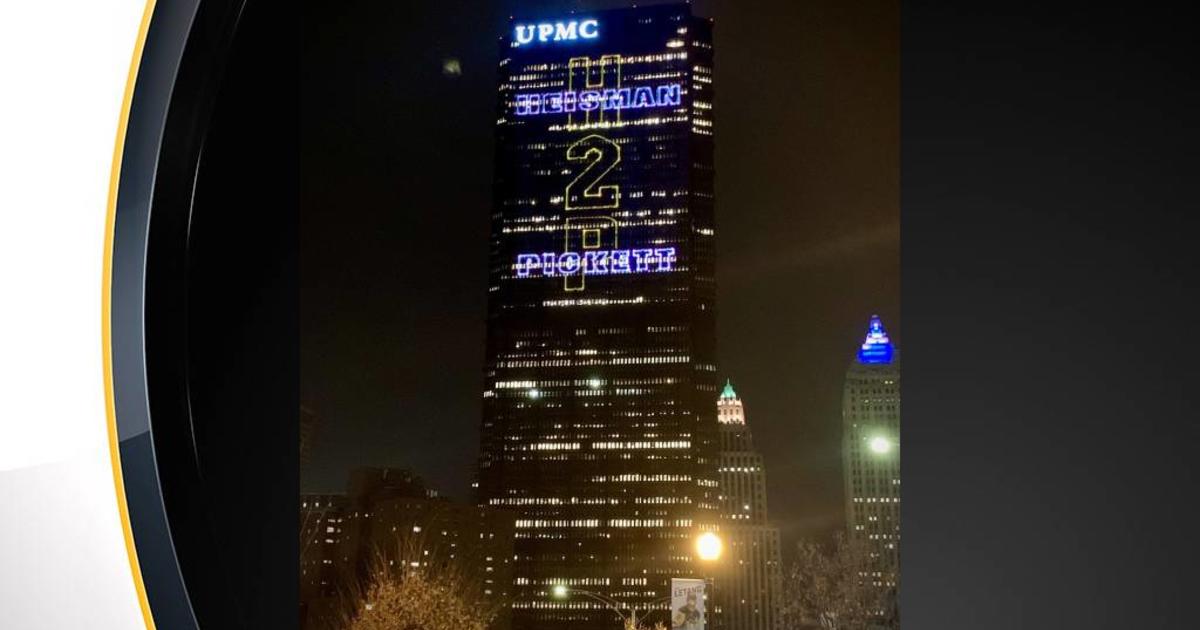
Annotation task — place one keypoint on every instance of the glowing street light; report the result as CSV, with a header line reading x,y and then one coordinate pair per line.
x,y
630,620
708,546
880,445
561,591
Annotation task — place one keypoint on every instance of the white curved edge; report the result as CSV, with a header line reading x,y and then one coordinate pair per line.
x,y
63,68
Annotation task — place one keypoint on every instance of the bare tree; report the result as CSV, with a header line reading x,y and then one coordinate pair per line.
x,y
420,587
836,589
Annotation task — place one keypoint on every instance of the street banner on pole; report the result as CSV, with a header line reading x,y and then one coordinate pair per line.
x,y
687,604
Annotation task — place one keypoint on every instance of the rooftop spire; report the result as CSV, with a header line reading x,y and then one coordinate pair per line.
x,y
728,392
877,348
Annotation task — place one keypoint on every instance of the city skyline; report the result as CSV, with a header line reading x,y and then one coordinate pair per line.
x,y
806,223
750,568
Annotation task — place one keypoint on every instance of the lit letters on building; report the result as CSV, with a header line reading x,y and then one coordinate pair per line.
x,y
596,263
525,34
591,100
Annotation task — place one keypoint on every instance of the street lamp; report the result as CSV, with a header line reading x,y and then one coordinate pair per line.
x,y
708,546
880,445
561,591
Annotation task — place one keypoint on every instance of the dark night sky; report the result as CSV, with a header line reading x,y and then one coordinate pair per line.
x,y
397,164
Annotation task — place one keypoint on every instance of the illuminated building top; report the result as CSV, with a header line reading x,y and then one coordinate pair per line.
x,y
729,406
877,348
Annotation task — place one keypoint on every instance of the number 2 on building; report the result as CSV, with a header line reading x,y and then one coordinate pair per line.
x,y
585,192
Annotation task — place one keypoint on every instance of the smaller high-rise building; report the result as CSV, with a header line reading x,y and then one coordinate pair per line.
x,y
749,590
871,452
321,518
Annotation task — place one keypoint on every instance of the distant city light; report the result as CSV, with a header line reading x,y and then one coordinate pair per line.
x,y
708,546
595,383
535,394
560,590
880,445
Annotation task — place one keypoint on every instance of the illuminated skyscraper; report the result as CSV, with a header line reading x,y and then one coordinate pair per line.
x,y
598,426
749,589
871,450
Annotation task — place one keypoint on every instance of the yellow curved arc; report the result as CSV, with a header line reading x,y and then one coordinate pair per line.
x,y
106,315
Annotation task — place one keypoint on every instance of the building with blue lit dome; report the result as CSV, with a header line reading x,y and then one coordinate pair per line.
x,y
871,451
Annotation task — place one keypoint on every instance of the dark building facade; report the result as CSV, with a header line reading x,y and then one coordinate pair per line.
x,y
598,427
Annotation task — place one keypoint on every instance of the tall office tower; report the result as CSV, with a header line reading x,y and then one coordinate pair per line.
x,y
598,426
871,451
749,590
